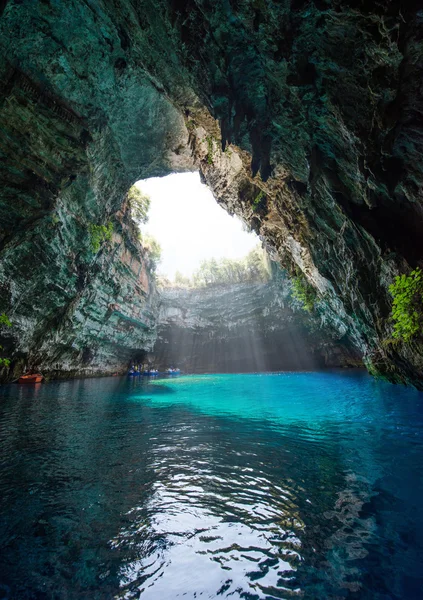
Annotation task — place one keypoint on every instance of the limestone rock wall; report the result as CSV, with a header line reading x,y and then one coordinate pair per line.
x,y
245,327
66,163
73,312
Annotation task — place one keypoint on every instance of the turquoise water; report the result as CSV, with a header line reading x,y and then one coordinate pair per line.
x,y
262,486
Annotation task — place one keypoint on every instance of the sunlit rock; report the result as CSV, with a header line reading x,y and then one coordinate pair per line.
x,y
243,328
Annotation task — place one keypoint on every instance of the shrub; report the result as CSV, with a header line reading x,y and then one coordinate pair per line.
x,y
139,204
99,234
303,292
4,362
210,149
4,320
153,248
407,305
257,200
181,279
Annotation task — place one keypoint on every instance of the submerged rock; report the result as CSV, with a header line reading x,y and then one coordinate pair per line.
x,y
303,117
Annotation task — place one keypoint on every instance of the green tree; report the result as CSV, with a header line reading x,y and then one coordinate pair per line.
x,y
257,265
153,249
182,279
139,204
214,271
257,202
304,292
253,268
407,305
99,234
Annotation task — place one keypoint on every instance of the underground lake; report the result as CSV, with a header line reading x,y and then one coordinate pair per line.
x,y
253,486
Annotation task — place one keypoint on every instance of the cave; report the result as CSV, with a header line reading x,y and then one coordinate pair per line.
x,y
275,465
96,98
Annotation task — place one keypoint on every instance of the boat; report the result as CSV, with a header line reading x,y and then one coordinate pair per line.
x,y
33,378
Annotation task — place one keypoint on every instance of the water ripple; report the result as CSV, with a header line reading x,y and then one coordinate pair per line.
x,y
253,487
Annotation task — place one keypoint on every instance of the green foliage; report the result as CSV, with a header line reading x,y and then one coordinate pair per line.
x,y
259,5
4,362
153,249
407,305
139,204
257,200
190,125
251,269
210,149
391,342
4,320
303,292
99,234
182,279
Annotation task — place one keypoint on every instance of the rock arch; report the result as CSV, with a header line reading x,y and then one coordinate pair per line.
x,y
314,108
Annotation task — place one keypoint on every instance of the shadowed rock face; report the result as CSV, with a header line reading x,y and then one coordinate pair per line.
x,y
244,328
304,118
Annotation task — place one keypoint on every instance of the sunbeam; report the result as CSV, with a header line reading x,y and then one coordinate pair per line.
x,y
220,308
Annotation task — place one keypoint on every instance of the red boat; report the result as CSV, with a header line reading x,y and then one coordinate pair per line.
x,y
34,378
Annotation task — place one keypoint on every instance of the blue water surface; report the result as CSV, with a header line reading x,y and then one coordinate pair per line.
x,y
261,486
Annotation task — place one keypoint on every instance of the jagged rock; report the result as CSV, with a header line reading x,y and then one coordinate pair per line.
x,y
304,117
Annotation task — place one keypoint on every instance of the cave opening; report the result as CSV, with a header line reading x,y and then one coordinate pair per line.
x,y
217,286
191,228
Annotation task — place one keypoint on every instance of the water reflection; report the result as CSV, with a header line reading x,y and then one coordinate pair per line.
x,y
257,487
207,527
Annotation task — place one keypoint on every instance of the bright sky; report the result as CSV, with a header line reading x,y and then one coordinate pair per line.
x,y
189,224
